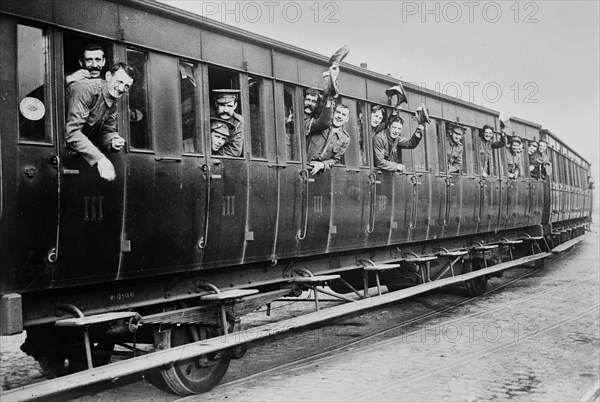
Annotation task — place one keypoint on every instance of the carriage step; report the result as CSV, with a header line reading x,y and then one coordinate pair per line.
x,y
455,253
314,280
485,247
94,319
229,294
423,258
565,246
532,238
380,267
511,242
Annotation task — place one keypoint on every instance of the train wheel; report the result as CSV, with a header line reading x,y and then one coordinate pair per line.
x,y
476,286
70,358
191,376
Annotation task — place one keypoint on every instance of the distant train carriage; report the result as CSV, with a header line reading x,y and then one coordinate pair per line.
x,y
179,224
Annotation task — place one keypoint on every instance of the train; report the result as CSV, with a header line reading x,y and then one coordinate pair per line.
x,y
184,243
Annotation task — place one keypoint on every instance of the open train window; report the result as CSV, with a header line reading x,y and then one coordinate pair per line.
x,y
292,136
219,80
450,155
75,47
34,97
192,140
139,129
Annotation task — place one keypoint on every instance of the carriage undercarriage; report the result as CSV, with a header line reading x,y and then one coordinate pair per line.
x,y
87,342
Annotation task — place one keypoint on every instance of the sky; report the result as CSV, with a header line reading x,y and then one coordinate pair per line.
x,y
537,60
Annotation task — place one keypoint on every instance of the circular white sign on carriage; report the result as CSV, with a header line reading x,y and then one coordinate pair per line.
x,y
32,108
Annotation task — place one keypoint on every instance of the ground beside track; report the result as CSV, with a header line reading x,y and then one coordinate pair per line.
x,y
459,353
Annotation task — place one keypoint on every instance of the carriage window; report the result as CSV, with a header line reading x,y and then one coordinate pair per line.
x,y
34,100
192,141
257,123
139,130
451,156
362,133
292,137
226,104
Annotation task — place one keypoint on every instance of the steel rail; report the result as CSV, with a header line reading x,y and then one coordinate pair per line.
x,y
114,371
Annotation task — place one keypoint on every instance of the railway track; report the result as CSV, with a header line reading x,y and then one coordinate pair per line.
x,y
439,305
322,340
418,368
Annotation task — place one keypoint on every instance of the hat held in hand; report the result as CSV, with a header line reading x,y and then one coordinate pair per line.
x,y
339,55
397,90
422,115
330,82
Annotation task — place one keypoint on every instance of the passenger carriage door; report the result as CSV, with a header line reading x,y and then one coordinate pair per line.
x,y
470,180
383,224
29,154
226,177
292,179
91,208
535,202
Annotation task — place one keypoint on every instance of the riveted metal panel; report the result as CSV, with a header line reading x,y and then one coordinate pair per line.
x,y
376,91
222,50
352,85
92,16
466,115
311,74
41,12
449,111
286,67
257,59
153,31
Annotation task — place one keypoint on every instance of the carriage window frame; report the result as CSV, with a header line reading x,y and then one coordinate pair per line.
x,y
257,139
292,119
470,151
363,134
184,74
140,84
419,154
48,128
442,155
218,73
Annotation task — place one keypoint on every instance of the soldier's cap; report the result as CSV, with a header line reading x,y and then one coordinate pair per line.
x,y
515,139
457,129
225,95
220,126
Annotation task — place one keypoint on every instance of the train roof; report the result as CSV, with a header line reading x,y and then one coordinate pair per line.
x,y
175,13
547,132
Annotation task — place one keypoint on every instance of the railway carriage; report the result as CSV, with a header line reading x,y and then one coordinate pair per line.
x,y
179,225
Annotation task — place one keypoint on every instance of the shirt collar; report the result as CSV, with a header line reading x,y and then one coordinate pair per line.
x,y
108,98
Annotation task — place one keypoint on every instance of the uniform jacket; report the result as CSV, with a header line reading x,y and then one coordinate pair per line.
x,y
235,143
513,163
543,164
485,152
325,142
454,153
386,150
91,119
